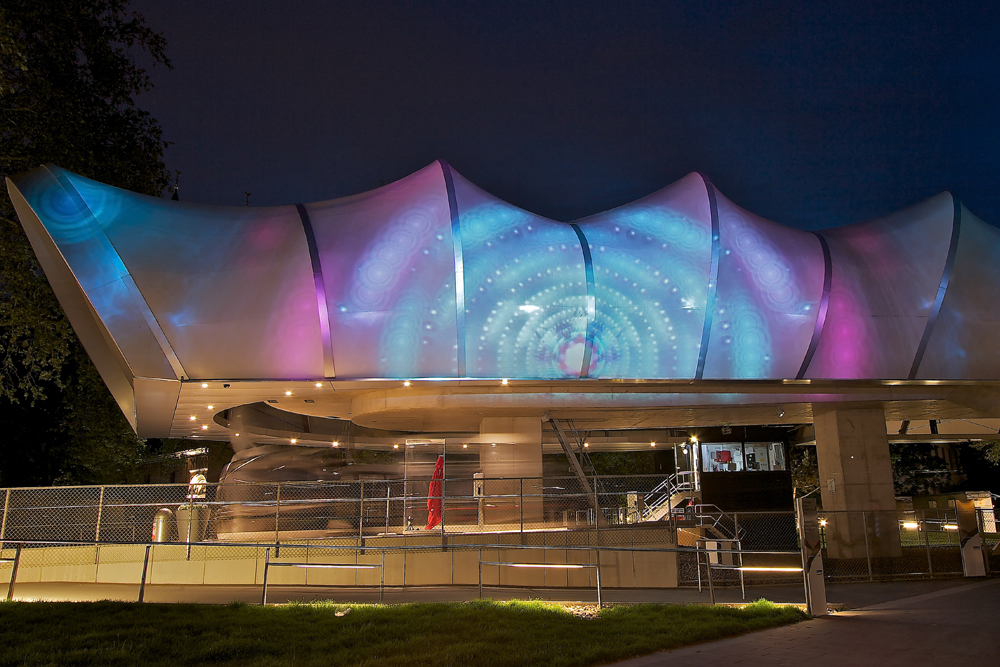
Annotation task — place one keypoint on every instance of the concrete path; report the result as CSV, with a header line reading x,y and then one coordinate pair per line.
x,y
953,625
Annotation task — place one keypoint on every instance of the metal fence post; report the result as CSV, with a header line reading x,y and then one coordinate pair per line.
x,y
361,512
711,585
267,563
480,573
142,582
13,574
100,510
868,553
277,512
381,584
521,503
599,603
3,526
388,492
927,546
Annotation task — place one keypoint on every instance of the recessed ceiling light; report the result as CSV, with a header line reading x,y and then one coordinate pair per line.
x,y
211,407
288,393
406,384
236,435
192,417
503,381
319,384
652,444
309,400
395,446
294,441
465,446
272,400
335,443
205,427
204,385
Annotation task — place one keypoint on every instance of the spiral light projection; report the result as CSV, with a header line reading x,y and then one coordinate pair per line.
x,y
525,290
770,285
651,283
185,290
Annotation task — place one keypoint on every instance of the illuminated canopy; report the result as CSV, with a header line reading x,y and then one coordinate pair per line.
x,y
431,277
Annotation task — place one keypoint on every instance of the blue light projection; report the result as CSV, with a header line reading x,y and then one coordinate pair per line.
x,y
430,277
525,290
652,282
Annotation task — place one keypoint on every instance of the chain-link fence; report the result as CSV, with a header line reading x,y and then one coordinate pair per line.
x,y
603,512
296,511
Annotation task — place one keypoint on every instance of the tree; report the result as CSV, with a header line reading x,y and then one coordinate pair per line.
x,y
990,449
68,78
805,470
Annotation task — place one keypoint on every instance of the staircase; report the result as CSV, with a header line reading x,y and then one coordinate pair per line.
x,y
669,494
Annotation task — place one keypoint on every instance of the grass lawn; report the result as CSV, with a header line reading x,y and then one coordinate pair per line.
x,y
468,634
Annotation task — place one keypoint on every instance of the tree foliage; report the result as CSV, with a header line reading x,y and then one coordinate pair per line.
x,y
68,80
990,449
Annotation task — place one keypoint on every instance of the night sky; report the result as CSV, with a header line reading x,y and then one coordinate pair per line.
x,y
812,116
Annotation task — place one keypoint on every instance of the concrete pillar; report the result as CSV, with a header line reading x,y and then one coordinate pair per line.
x,y
855,476
515,451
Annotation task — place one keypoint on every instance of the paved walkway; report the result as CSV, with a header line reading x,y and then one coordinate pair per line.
x,y
954,625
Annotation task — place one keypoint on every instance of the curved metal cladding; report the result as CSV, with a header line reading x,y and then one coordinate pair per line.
x,y
525,280
388,268
886,274
651,276
431,277
962,343
770,289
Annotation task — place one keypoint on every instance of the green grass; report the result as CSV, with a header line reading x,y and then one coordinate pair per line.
x,y
468,634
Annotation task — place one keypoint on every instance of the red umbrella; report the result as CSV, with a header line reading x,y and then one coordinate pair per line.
x,y
435,503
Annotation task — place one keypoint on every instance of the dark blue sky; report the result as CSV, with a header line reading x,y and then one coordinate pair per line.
x,y
812,116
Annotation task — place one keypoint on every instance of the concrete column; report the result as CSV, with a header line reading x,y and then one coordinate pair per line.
x,y
855,476
515,451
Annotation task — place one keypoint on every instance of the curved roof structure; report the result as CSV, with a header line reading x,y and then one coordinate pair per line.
x,y
431,277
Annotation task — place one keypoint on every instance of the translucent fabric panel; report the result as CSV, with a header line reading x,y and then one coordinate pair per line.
x,y
96,267
525,290
770,287
963,343
231,288
885,277
652,260
389,272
